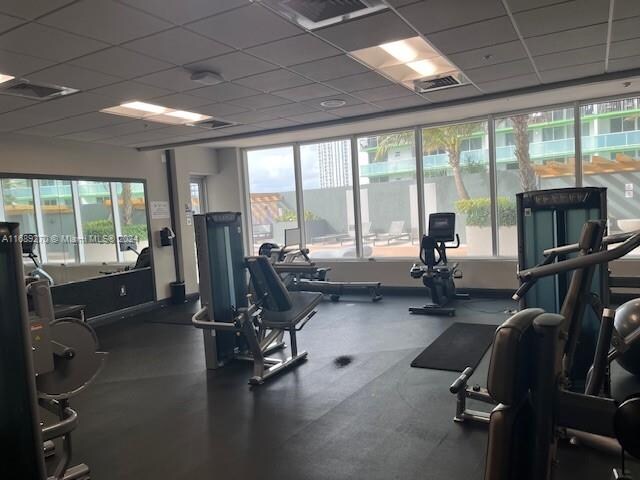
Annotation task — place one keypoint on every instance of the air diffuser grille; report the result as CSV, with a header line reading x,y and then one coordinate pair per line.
x,y
424,85
320,10
214,124
23,88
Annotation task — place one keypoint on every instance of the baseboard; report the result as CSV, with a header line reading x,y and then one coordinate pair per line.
x,y
112,317
474,292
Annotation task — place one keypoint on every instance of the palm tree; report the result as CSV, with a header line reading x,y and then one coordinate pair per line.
x,y
520,125
127,204
447,138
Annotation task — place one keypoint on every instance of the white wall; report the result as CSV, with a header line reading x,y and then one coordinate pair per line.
x,y
31,155
223,190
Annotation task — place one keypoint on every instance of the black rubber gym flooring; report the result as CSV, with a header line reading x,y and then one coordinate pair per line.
x,y
355,409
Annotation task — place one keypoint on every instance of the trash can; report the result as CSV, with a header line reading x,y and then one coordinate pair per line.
x,y
178,294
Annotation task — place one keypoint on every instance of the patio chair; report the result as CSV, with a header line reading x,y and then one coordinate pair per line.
x,y
395,233
351,234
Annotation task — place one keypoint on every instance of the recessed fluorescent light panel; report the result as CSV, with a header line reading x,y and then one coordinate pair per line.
x,y
406,61
156,113
312,14
5,78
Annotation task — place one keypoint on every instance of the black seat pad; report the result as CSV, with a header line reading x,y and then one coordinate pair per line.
x,y
303,304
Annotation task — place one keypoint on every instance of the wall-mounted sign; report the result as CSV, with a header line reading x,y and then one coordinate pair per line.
x,y
160,210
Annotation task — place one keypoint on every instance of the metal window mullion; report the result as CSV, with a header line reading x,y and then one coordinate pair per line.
x,y
420,181
493,184
37,208
245,199
577,128
115,212
75,200
357,214
297,170
2,214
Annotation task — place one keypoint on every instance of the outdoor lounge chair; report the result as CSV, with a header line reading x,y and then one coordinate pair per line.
x,y
351,235
395,233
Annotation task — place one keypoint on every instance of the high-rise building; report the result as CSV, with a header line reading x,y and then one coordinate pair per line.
x,y
334,160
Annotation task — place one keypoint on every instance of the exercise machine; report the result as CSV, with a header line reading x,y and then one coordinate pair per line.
x,y
44,362
28,250
592,251
436,273
241,321
299,273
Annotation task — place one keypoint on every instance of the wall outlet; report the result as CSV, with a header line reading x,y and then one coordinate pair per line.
x,y
123,291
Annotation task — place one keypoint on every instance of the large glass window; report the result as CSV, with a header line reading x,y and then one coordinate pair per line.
x,y
17,198
328,198
96,216
272,190
456,179
132,214
611,159
388,205
58,220
534,150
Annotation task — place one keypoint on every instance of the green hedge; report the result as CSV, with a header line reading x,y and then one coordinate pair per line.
x,y
478,211
103,228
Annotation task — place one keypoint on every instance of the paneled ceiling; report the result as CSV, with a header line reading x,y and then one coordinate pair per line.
x,y
276,73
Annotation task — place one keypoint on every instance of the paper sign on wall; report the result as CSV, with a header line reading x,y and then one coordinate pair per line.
x,y
160,210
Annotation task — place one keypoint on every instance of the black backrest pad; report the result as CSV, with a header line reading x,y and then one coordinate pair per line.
x,y
510,367
442,226
268,285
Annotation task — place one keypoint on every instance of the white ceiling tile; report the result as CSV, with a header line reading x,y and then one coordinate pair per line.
x,y
250,117
506,84
626,9
626,48
165,141
367,31
563,16
223,92
626,63
519,5
567,40
31,8
383,93
178,46
134,139
221,109
307,92
70,76
127,128
184,11
436,15
361,81
363,109
579,56
232,65
104,20
245,27
401,3
121,62
176,79
294,50
290,110
314,117
454,93
273,80
9,102
7,22
18,65
625,29
130,91
348,99
75,124
477,35
502,70
278,123
402,102
491,55
88,136
45,42
330,68
181,101
263,100
571,72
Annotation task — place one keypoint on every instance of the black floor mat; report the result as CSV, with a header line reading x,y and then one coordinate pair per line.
x,y
176,315
462,345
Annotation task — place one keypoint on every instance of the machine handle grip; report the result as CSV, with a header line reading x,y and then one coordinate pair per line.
x,y
522,291
462,380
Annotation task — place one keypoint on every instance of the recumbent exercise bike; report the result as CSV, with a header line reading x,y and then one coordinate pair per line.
x,y
437,275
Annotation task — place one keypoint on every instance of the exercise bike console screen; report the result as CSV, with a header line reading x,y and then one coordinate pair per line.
x,y
442,226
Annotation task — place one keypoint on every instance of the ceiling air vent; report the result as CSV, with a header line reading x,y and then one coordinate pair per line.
x,y
213,124
424,85
24,88
314,14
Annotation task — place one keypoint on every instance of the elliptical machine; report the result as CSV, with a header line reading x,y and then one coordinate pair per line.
x,y
437,275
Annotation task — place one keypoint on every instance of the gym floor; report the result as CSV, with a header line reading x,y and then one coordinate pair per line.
x,y
355,409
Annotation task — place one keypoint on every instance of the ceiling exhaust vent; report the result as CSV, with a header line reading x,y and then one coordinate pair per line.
x,y
213,124
429,84
313,14
33,91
